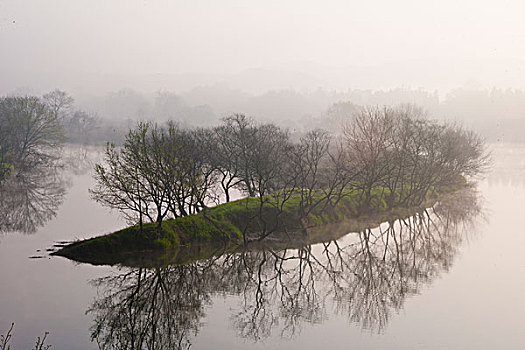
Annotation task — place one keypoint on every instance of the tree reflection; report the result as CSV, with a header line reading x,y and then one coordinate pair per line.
x,y
364,276
30,199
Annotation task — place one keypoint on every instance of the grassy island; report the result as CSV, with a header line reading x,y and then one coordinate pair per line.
x,y
225,227
164,178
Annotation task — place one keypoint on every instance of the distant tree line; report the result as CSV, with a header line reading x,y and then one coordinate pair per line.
x,y
387,156
79,126
32,130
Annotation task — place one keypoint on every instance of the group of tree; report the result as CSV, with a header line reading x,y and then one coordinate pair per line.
x,y
79,126
394,156
128,104
33,128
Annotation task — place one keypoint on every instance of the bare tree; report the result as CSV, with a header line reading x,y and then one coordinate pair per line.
x,y
119,185
242,132
59,103
249,155
309,161
186,171
131,179
224,153
367,141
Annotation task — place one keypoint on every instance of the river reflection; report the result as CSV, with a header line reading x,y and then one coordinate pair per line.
x,y
364,276
30,199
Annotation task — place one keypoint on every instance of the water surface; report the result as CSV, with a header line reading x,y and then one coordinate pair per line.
x,y
450,278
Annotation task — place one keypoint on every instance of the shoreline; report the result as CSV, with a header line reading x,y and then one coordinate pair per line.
x,y
221,228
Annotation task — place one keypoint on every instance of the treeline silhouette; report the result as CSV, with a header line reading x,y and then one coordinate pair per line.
x,y
497,114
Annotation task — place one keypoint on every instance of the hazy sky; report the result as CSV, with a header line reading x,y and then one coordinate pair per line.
x,y
56,41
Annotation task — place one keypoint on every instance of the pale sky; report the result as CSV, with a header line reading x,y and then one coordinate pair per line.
x,y
57,40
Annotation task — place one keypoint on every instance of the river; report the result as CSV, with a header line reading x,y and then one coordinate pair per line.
x,y
450,278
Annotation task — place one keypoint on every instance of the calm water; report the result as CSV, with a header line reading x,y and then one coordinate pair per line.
x,y
451,278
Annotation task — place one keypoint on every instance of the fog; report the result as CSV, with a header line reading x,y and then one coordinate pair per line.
x,y
88,45
284,61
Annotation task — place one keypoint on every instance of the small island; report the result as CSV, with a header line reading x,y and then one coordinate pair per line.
x,y
175,185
